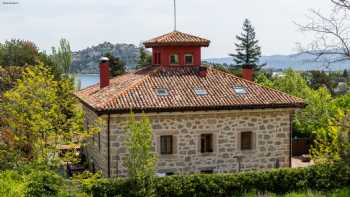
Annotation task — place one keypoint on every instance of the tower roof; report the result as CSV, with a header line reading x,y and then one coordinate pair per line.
x,y
177,38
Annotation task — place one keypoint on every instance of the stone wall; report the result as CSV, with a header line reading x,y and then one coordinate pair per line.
x,y
271,133
96,150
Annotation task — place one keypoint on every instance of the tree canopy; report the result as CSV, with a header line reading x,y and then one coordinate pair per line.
x,y
18,53
325,119
62,56
39,114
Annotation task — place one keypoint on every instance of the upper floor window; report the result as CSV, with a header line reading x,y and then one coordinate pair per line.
x,y
206,143
246,141
174,59
166,145
189,59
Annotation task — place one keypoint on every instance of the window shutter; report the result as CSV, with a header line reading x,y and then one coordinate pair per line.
x,y
246,140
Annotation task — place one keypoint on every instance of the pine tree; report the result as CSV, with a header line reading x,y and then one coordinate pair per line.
x,y
248,50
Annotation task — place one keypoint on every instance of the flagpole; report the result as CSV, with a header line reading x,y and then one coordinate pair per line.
x,y
174,15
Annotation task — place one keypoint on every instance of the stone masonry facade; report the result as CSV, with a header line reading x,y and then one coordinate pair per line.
x,y
270,132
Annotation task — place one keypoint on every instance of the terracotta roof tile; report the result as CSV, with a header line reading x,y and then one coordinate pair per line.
x,y
177,38
137,92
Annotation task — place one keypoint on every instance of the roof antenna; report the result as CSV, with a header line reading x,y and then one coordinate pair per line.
x,y
174,15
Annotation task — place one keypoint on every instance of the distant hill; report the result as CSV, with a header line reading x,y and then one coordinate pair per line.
x,y
300,61
86,61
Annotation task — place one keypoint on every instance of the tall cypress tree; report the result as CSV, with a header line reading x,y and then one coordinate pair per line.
x,y
248,50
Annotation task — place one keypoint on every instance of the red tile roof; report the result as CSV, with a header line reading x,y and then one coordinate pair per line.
x,y
137,92
177,38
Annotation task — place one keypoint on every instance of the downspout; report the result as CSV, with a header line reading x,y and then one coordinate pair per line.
x,y
108,146
290,138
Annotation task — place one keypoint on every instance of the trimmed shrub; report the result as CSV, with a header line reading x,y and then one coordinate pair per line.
x,y
43,183
279,181
11,184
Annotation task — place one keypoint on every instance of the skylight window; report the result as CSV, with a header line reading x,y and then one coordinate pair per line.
x,y
162,92
200,91
239,90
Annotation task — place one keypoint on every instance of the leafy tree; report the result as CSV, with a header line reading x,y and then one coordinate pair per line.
x,y
332,143
116,65
248,50
321,79
325,119
292,83
44,184
8,77
263,78
15,55
47,60
62,56
11,184
18,53
320,107
141,160
39,115
145,58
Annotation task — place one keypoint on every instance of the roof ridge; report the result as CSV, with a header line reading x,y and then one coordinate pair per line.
x,y
132,84
257,84
177,37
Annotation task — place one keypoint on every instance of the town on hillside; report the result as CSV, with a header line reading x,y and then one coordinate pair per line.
x,y
169,105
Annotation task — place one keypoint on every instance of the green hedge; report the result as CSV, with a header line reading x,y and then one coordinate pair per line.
x,y
319,178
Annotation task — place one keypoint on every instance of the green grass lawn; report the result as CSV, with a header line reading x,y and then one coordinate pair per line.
x,y
337,193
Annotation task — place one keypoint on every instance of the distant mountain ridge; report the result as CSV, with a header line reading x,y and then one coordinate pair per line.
x,y
86,61
299,61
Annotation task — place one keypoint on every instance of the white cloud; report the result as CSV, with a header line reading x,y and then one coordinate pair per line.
x,y
89,22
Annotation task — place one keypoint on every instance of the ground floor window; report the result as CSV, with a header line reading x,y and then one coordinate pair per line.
x,y
246,140
206,143
166,145
211,171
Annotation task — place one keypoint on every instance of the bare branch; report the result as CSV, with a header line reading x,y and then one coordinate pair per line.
x,y
342,3
331,33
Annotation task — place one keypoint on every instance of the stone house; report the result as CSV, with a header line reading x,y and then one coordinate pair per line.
x,y
204,120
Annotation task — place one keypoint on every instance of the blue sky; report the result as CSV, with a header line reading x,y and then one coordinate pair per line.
x,y
90,22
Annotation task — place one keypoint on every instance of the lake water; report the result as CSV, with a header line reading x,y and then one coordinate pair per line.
x,y
88,79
